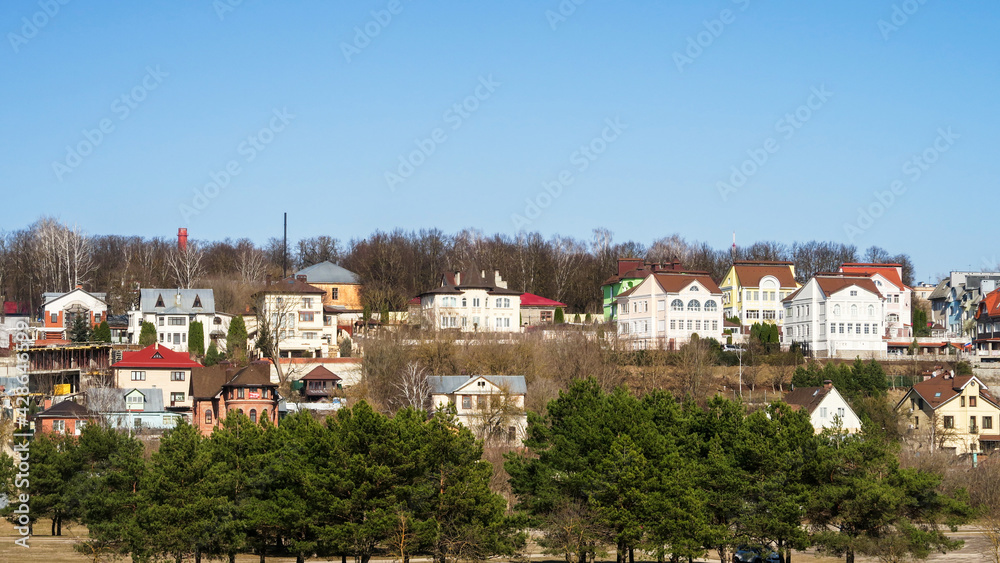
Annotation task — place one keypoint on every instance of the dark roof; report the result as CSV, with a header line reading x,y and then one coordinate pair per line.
x,y
937,391
320,373
807,398
256,374
456,283
208,382
292,285
674,282
65,409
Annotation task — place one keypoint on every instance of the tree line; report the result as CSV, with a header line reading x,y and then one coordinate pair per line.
x,y
358,484
394,266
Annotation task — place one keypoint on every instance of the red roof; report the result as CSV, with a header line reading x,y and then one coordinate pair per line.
x,y
415,301
990,305
532,300
155,356
887,271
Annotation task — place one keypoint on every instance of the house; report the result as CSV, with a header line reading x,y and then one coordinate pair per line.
x,y
923,290
952,413
224,388
61,310
172,311
987,338
752,290
492,406
956,298
836,315
66,417
293,312
888,279
471,301
666,308
320,384
158,367
826,407
538,310
342,292
132,407
631,271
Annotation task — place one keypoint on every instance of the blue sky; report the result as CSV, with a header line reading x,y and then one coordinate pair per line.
x,y
312,118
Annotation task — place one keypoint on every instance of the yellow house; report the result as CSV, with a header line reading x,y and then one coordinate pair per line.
x,y
752,290
957,414
341,294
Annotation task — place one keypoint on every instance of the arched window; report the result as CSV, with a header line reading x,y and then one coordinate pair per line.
x,y
676,305
871,310
694,305
854,310
465,302
836,310
253,415
208,416
241,411
711,306
263,416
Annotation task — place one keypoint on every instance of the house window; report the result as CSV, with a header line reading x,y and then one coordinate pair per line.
x,y
465,302
240,393
822,412
854,293
306,316
55,318
466,402
506,302
715,325
987,423
177,397
177,376
676,305
253,415
475,301
138,376
159,320
673,324
59,425
711,306
916,422
694,305
972,424
840,412
197,301
949,422
307,303
961,401
175,321
335,294
217,321
481,402
134,401
208,416
690,325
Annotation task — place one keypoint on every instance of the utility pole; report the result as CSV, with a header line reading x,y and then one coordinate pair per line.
x,y
284,250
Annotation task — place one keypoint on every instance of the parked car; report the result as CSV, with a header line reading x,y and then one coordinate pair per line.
x,y
731,348
747,554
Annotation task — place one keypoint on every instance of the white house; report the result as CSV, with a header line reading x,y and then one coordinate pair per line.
x,y
61,310
836,315
492,406
172,311
471,301
888,279
826,407
666,308
293,310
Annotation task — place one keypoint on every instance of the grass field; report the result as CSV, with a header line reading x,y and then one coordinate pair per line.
x,y
59,549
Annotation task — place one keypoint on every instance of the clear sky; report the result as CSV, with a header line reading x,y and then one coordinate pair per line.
x,y
364,115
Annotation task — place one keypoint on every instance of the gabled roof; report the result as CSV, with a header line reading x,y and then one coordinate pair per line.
x,y
937,391
66,409
675,282
490,280
292,285
52,296
328,272
990,305
156,356
207,382
448,384
110,399
256,374
941,291
830,283
808,398
177,301
532,300
320,373
750,273
888,271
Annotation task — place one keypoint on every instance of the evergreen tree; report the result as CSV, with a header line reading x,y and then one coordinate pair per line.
x,y
196,338
102,333
919,320
236,338
80,331
213,356
147,334
558,317
576,318
53,468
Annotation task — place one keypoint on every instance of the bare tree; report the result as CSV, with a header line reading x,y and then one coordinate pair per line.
x,y
696,363
186,265
414,387
274,312
251,262
495,415
566,254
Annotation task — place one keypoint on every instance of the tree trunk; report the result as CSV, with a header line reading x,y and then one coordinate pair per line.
x,y
197,556
343,559
59,527
631,554
53,532
232,557
300,558
582,556
621,552
849,556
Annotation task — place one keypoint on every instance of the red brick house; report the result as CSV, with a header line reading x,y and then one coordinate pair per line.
x,y
223,388
66,417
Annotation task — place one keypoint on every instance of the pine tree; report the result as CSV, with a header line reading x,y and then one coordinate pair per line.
x,y
236,338
102,333
80,331
213,356
558,317
196,338
147,335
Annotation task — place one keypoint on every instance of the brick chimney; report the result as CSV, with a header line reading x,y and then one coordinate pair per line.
x,y
827,384
626,264
182,239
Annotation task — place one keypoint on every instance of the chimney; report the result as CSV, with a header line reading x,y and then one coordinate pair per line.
x,y
626,264
46,404
79,286
301,277
827,384
156,345
182,239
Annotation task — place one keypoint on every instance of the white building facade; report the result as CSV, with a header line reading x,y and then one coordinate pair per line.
x,y
837,315
293,310
888,279
172,311
665,309
471,302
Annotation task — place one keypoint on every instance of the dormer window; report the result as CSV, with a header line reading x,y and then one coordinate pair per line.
x,y
159,301
197,301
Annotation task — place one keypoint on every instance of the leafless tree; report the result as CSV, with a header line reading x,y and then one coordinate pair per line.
x,y
567,254
186,265
251,262
414,387
274,312
696,364
495,415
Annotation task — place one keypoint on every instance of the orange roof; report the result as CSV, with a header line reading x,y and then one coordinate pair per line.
x,y
887,271
750,273
938,390
990,305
